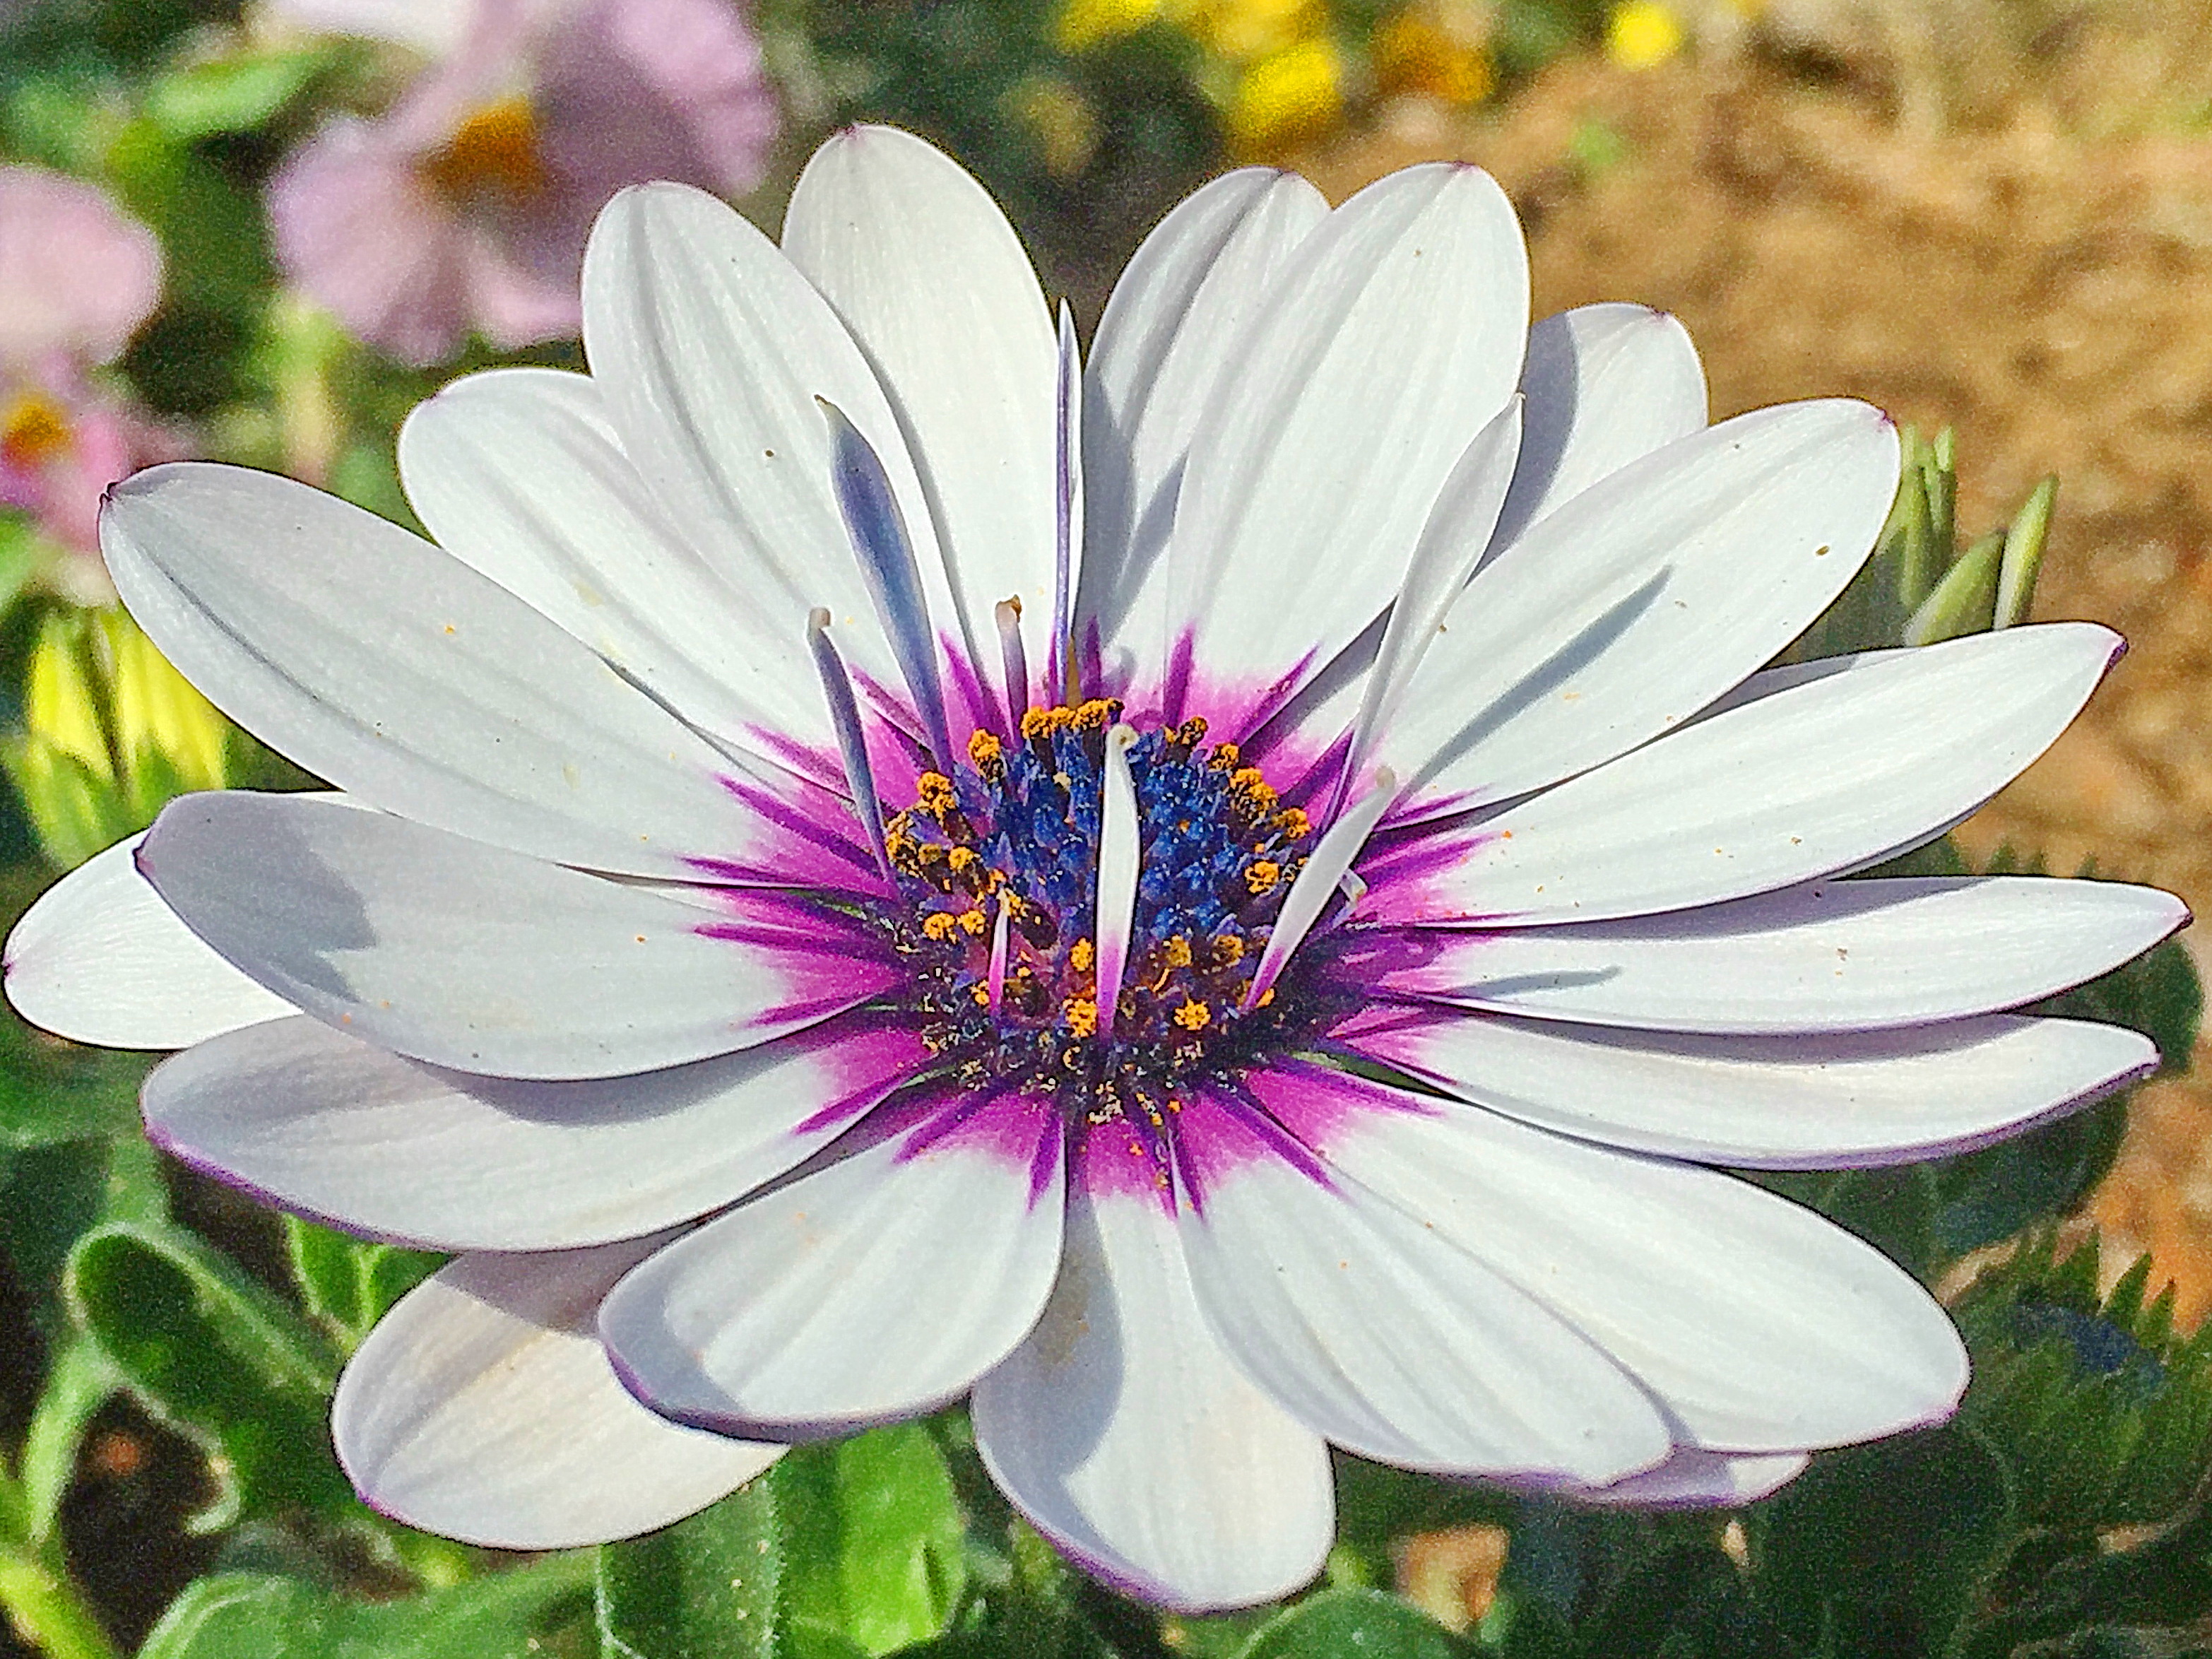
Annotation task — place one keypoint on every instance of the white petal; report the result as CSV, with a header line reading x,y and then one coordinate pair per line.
x,y
1828,774
1169,330
464,954
1798,1103
1392,336
933,283
1644,598
1692,1479
710,351
396,672
878,1287
1382,1337
327,1125
100,959
1122,1432
483,1408
1606,384
519,474
1836,955
1760,1326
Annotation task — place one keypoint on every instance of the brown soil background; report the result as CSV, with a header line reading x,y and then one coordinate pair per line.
x,y
2051,297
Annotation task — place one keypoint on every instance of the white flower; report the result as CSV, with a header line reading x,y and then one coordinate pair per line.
x,y
612,948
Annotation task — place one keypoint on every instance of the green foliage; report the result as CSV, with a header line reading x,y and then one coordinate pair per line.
x,y
541,1609
219,1357
851,1548
1919,587
347,1284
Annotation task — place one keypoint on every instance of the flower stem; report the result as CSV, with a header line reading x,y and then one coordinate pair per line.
x,y
48,1610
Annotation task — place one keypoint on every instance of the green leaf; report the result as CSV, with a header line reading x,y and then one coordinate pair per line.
x,y
348,1284
1689,1600
232,95
213,232
875,1538
1964,601
218,1356
707,1588
76,1386
52,1090
49,1196
1892,1209
1881,1549
1377,1505
1338,1624
507,1615
2023,554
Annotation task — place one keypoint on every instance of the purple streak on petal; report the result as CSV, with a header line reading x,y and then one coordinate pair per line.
x,y
1316,1103
967,695
1113,1160
1402,869
78,275
1021,1131
1222,1130
816,853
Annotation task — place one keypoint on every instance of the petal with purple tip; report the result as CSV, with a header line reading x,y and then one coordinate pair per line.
x,y
483,1407
1759,1326
879,1287
1815,1102
328,1125
100,959
1128,1439
464,954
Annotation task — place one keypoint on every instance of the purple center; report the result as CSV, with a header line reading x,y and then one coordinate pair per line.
x,y
997,866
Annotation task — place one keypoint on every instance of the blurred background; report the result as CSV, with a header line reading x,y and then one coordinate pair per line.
x,y
259,233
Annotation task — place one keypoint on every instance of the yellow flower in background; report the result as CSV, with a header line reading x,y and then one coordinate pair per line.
x,y
1420,53
1084,25
1289,95
1246,31
1642,32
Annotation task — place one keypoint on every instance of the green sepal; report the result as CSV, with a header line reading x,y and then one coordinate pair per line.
x,y
218,1356
1964,601
2023,554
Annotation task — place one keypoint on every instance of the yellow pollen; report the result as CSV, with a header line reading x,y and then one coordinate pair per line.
x,y
32,431
934,791
1081,1014
963,860
973,922
1192,1015
1176,952
982,749
1293,824
1262,875
939,925
982,993
1095,714
1228,950
1081,955
1266,997
495,149
1042,722
1225,757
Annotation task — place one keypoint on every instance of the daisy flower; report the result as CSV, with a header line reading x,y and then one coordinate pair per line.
x,y
78,277
466,206
1236,896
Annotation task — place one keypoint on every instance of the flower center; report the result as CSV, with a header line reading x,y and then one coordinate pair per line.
x,y
495,151
997,864
32,431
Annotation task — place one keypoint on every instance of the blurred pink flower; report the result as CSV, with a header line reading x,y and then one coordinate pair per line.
x,y
467,205
77,278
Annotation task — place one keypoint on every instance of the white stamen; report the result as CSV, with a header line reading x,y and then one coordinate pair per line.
x,y
852,741
1325,869
1014,662
1068,539
1119,858
996,983
1452,543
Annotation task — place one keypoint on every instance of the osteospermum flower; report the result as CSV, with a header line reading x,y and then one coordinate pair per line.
x,y
78,277
467,205
1220,900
